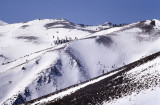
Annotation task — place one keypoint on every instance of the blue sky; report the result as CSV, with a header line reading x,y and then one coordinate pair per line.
x,y
91,12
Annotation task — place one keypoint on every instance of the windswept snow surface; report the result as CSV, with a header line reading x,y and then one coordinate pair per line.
x,y
28,53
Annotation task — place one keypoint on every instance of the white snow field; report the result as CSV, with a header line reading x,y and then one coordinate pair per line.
x,y
31,65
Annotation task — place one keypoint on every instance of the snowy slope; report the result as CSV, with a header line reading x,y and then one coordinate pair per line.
x,y
25,44
134,84
33,66
147,86
2,23
37,35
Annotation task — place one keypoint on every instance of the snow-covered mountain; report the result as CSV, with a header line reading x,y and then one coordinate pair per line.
x,y
2,23
134,84
106,24
37,35
43,56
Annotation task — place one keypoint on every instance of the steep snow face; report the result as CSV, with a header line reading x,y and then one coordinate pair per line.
x,y
69,63
2,23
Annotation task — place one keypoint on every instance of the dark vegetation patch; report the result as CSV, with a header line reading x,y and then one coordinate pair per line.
x,y
69,25
28,37
149,29
33,39
146,28
116,86
19,100
61,41
90,31
24,26
27,92
83,25
105,40
2,56
64,25
23,68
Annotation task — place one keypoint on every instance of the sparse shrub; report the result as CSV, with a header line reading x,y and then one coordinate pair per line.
x,y
23,68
